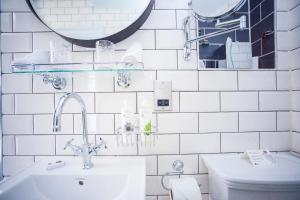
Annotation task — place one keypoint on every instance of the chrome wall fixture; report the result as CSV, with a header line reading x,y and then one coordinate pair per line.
x,y
58,82
178,170
236,24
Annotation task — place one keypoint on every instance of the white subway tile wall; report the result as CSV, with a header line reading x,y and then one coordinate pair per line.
x,y
213,111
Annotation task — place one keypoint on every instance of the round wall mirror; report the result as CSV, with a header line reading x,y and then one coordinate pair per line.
x,y
215,9
86,21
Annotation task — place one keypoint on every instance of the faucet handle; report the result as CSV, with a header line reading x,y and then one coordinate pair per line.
x,y
101,145
76,149
69,143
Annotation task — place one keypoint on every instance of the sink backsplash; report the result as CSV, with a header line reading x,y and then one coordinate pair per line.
x,y
213,111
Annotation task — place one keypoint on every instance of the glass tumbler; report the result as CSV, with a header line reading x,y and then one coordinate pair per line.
x,y
105,52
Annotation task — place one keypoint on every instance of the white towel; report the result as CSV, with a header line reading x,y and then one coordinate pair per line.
x,y
185,189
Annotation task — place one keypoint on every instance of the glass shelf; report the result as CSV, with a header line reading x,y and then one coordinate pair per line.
x,y
76,67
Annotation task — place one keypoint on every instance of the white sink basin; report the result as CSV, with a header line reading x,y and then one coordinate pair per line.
x,y
109,179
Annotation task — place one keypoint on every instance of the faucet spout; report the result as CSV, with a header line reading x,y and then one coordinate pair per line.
x,y
59,109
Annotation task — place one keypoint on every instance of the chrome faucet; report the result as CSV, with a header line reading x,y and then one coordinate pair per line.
x,y
86,150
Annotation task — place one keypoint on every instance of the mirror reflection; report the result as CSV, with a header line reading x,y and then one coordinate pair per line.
x,y
88,19
215,9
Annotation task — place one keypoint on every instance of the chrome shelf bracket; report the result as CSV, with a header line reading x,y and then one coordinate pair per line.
x,y
58,82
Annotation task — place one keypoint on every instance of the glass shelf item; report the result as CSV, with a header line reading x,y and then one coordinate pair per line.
x,y
76,67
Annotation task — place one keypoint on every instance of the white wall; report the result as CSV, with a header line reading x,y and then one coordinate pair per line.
x,y
288,26
213,111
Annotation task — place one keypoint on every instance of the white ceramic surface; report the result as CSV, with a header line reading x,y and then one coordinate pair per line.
x,y
232,177
109,179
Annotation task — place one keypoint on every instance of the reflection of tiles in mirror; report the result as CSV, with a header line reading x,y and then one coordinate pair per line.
x,y
260,18
80,15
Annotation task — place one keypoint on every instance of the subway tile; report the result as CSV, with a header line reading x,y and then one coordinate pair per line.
x,y
9,145
155,21
41,41
181,80
113,148
275,141
6,59
269,101
146,38
34,103
295,121
283,80
295,142
284,41
294,55
43,124
17,124
284,60
199,102
294,17
16,83
148,97
190,163
257,80
35,145
191,64
72,106
295,80
140,81
177,122
217,81
239,101
27,22
61,141
113,102
154,187
39,86
169,39
295,100
283,21
218,122
294,34
202,166
97,123
14,164
14,5
151,165
160,59
6,22
257,121
239,142
283,121
8,104
180,15
162,144
16,42
93,82
200,143
171,4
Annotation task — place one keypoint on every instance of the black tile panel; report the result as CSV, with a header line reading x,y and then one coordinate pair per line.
x,y
242,36
254,3
256,48
255,16
265,25
267,7
212,52
267,61
268,44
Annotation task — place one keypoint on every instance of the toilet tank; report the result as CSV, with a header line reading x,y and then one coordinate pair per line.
x,y
234,178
